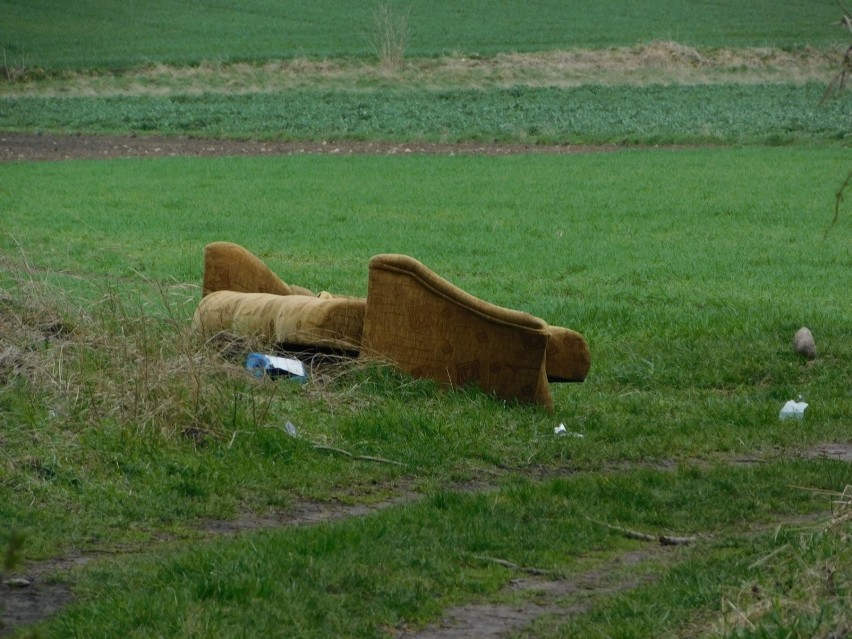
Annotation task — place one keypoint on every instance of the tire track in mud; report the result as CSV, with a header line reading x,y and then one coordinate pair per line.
x,y
32,596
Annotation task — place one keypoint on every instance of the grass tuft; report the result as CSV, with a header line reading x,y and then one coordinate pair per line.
x,y
802,588
389,35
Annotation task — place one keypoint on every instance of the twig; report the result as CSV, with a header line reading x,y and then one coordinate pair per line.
x,y
743,617
331,449
847,15
838,197
813,489
380,460
665,540
838,83
512,566
346,453
777,551
340,451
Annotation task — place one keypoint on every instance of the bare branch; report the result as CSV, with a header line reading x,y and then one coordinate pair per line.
x,y
346,453
847,16
838,199
665,540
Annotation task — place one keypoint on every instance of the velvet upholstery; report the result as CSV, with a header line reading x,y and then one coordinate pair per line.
x,y
568,356
430,328
294,320
412,318
230,267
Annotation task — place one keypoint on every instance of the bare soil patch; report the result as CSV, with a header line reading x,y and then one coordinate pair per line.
x,y
24,606
838,451
555,598
305,514
38,147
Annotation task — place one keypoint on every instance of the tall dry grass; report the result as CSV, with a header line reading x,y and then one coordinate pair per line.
x,y
639,65
389,34
802,587
134,362
115,361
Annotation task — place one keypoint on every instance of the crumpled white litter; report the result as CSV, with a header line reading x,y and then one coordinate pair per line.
x,y
792,410
561,430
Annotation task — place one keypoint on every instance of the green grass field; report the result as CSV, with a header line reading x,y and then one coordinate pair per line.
x,y
152,480
661,74
93,34
690,328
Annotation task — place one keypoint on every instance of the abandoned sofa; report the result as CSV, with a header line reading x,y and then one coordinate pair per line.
x,y
411,318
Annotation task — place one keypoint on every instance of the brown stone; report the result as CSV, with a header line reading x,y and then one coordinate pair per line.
x,y
803,343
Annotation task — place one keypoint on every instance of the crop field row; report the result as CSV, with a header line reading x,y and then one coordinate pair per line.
x,y
92,34
597,114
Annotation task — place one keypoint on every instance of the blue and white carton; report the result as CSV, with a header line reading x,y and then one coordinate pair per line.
x,y
259,365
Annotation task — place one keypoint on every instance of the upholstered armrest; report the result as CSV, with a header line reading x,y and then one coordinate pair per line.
x,y
230,267
568,356
298,320
430,328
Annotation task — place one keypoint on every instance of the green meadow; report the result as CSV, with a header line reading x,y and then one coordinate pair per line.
x,y
688,290
150,486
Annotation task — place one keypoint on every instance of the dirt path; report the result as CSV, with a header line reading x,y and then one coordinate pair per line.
x,y
554,598
38,147
32,596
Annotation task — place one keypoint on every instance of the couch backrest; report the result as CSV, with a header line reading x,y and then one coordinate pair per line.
x,y
430,328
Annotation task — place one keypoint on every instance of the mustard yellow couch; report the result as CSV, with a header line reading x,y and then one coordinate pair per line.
x,y
411,318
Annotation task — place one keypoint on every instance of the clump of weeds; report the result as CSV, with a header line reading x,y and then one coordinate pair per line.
x,y
120,360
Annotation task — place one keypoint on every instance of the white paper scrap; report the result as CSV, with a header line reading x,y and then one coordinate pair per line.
x,y
292,366
561,430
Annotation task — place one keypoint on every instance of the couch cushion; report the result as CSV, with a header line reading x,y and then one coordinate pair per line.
x,y
299,320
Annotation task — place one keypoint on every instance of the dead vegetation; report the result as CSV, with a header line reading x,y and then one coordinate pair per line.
x,y
89,365
134,362
13,69
389,36
838,82
652,63
802,582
